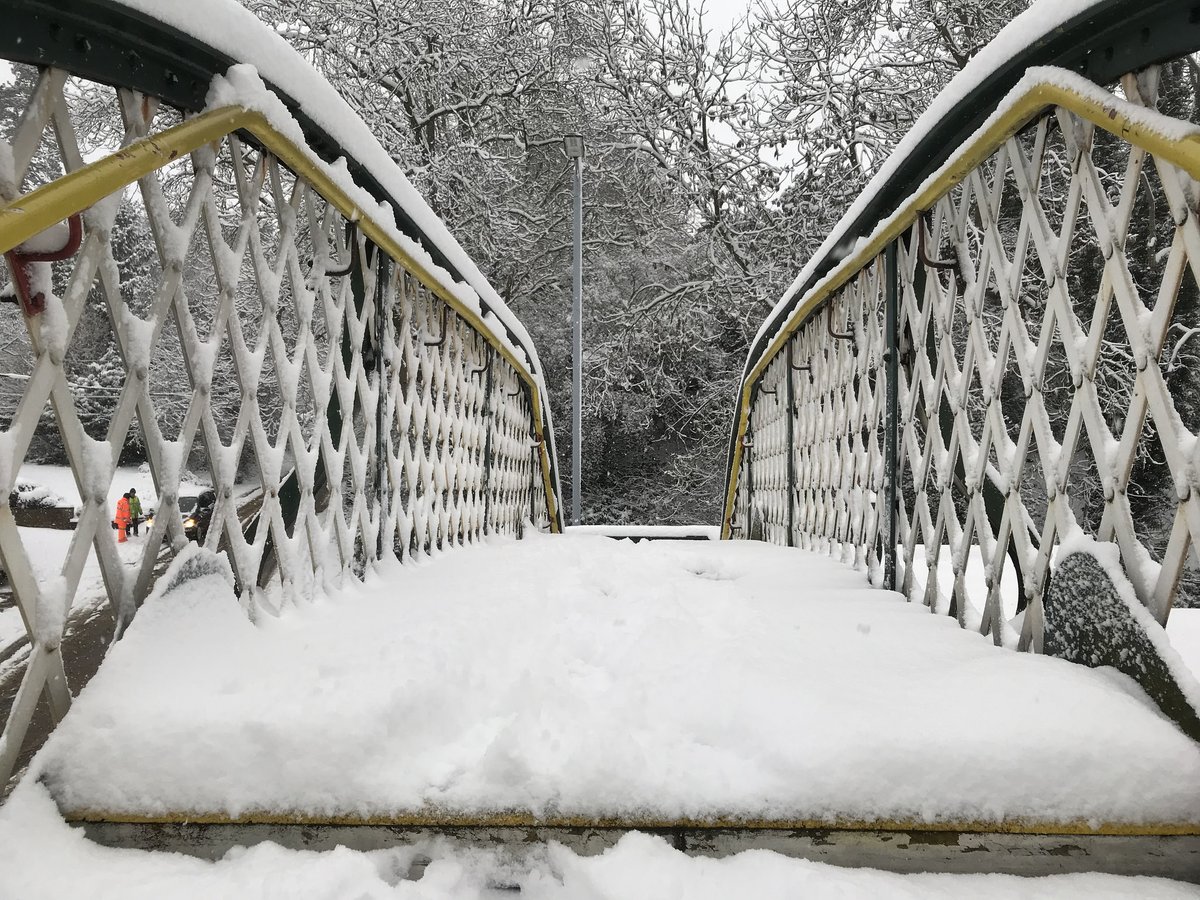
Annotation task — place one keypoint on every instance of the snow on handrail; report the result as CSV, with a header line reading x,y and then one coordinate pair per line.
x,y
1041,87
218,34
1102,39
174,51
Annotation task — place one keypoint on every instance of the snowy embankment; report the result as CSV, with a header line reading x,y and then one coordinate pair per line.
x,y
1183,625
589,677
41,858
47,548
1183,628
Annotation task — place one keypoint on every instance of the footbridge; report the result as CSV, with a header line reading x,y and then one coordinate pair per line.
x,y
962,487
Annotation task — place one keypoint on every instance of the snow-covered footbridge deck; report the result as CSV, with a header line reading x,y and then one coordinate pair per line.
x,y
581,680
219,269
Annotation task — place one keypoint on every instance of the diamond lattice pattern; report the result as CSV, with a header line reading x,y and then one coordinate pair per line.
x,y
226,323
1046,385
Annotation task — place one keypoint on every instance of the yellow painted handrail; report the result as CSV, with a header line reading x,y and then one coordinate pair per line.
x,y
430,818
74,192
1036,95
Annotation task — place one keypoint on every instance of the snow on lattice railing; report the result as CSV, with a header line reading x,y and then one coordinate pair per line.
x,y
1032,399
241,328
1043,20
243,87
788,311
227,26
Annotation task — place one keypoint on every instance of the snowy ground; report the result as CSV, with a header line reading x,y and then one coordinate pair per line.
x,y
61,480
667,532
595,677
41,858
1183,625
47,548
1183,628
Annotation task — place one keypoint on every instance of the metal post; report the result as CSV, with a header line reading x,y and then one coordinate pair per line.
x,y
382,435
576,153
891,487
788,374
748,458
489,425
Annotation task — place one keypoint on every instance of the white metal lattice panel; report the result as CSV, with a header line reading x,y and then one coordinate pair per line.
x,y
1043,381
225,320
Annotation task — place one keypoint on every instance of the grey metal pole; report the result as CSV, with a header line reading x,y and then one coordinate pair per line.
x,y
790,375
577,351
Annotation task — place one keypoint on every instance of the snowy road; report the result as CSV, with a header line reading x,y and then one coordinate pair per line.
x,y
581,676
89,626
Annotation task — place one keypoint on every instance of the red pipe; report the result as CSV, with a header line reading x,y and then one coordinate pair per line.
x,y
31,303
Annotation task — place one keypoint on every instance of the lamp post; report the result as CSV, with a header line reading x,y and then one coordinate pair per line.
x,y
573,145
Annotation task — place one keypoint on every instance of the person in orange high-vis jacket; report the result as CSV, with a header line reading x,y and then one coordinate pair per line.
x,y
122,520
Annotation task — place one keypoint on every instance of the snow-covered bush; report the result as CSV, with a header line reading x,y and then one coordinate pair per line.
x,y
27,495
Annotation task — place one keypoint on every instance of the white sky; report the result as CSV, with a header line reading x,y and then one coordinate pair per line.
x,y
720,14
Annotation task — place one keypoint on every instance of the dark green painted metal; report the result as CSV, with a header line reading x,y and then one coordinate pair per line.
x,y
790,393
748,528
290,493
387,272
488,452
891,419
993,498
911,849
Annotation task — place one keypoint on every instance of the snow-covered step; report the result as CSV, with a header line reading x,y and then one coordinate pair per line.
x,y
570,680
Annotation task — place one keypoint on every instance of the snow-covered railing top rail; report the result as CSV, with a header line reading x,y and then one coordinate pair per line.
x,y
172,51
309,371
991,376
1099,39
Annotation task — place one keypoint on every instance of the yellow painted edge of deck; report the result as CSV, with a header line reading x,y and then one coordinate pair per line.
x,y
49,204
433,819
1183,153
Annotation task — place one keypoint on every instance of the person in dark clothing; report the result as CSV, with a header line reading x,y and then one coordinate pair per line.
x,y
201,516
135,510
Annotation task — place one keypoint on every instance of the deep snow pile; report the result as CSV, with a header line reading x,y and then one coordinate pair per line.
x,y
651,532
585,676
27,495
61,481
41,858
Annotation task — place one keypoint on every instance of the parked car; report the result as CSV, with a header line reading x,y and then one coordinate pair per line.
x,y
196,512
198,515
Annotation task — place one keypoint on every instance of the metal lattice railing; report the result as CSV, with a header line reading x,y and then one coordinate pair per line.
x,y
1008,362
222,307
